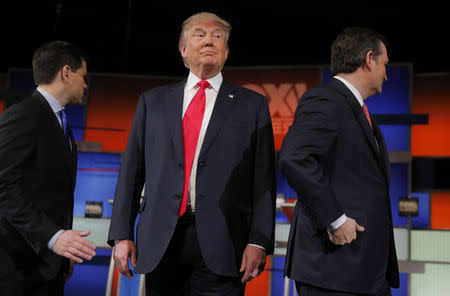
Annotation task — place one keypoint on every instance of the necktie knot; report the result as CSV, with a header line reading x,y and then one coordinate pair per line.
x,y
203,84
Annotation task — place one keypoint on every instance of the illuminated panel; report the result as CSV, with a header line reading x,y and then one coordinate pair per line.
x,y
431,96
282,87
430,245
111,106
435,280
440,209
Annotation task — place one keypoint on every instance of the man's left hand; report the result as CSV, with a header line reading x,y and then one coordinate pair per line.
x,y
253,262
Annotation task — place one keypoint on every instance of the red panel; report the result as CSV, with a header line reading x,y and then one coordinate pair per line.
x,y
431,96
260,285
283,87
111,104
2,106
440,209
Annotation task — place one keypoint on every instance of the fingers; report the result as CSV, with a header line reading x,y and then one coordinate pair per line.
x,y
253,262
122,251
359,228
72,245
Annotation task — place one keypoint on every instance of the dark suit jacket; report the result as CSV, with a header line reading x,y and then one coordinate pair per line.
x,y
331,159
37,181
235,185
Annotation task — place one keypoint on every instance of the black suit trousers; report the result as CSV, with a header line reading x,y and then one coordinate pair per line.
x,y
26,280
183,272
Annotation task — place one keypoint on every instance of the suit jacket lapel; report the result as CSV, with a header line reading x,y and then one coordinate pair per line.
x,y
58,132
384,154
359,114
225,100
174,112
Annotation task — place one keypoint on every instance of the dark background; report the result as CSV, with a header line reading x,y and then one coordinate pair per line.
x,y
141,37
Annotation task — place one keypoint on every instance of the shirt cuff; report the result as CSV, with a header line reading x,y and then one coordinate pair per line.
x,y
337,223
257,246
52,241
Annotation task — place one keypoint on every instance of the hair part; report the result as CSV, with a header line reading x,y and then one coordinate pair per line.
x,y
349,49
51,57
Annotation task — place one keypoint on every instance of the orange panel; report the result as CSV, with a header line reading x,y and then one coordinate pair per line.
x,y
431,96
111,105
440,209
260,285
282,87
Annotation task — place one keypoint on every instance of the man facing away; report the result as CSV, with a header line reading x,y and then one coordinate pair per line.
x,y
204,149
38,162
334,156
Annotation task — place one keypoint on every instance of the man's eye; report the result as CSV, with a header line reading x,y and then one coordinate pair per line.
x,y
198,35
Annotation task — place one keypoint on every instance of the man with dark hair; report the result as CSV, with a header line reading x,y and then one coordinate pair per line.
x,y
38,162
204,149
341,240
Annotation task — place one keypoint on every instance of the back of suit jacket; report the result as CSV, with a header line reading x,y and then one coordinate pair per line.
x,y
37,181
337,164
235,184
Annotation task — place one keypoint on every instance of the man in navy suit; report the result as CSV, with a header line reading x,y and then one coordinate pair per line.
x,y
204,149
334,156
38,163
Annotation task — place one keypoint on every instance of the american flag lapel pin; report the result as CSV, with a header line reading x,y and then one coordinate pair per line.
x,y
231,97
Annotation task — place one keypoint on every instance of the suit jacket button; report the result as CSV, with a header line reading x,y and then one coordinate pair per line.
x,y
177,196
201,163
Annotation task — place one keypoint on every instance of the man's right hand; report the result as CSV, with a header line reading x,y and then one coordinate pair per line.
x,y
123,250
346,233
72,244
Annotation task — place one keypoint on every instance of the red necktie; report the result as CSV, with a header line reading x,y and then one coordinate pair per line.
x,y
192,122
366,111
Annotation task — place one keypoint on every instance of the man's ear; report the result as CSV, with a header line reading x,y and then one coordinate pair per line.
x,y
369,60
65,73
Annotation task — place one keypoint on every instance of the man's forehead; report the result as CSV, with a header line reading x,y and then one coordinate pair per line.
x,y
207,24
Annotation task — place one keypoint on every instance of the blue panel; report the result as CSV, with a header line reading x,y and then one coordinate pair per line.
x,y
96,180
76,116
396,136
422,221
283,186
90,279
277,272
403,290
399,188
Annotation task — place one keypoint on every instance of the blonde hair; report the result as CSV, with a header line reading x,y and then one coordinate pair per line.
x,y
202,16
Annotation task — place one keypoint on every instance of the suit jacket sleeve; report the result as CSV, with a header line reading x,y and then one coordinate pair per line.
x,y
131,180
305,149
263,219
17,137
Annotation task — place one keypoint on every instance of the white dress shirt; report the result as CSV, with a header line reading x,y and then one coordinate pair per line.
x,y
211,92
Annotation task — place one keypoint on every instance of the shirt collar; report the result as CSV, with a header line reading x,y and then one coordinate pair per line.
x,y
52,101
215,81
353,89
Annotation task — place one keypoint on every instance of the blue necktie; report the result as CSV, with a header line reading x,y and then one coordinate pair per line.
x,y
63,116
